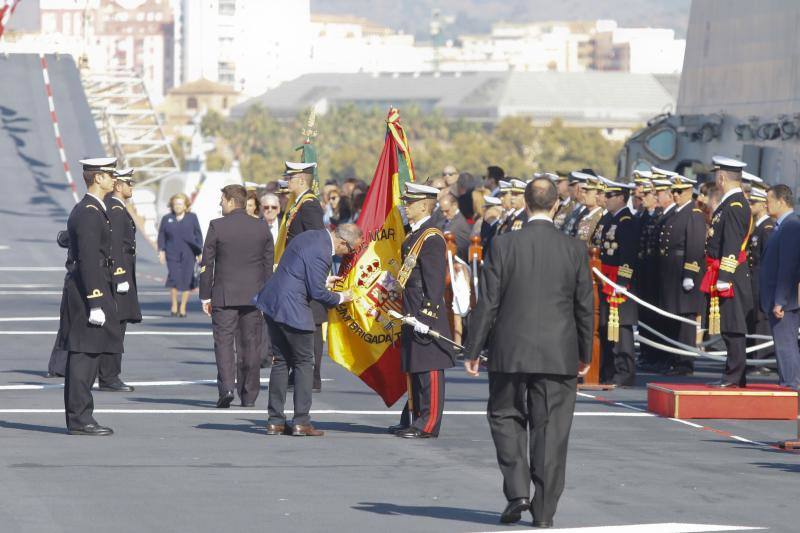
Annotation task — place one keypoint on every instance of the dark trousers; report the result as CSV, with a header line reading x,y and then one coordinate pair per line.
x,y
784,332
760,325
244,374
80,374
291,348
686,334
427,393
530,417
618,363
111,366
735,366
318,358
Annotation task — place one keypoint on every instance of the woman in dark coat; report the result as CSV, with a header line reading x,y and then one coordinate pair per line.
x,y
180,243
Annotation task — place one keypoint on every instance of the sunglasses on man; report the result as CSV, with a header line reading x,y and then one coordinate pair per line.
x,y
270,207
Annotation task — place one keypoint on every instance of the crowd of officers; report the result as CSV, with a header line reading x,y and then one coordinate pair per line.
x,y
691,250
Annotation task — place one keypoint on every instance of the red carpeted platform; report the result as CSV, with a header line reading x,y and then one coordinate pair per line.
x,y
754,402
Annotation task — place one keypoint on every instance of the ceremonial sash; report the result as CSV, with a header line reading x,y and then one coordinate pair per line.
x,y
413,254
283,231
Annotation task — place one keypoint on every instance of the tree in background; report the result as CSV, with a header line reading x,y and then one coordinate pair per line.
x,y
350,137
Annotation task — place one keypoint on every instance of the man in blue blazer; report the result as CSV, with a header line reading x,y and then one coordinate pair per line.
x,y
778,283
303,275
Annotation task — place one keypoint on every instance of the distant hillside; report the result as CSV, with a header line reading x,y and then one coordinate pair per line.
x,y
477,16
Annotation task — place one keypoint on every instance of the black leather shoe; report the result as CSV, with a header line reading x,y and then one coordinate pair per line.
x,y
92,430
116,387
513,511
225,400
721,384
397,427
542,524
414,433
248,404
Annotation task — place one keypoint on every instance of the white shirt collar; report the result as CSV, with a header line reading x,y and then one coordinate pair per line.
x,y
668,209
540,217
333,244
566,200
593,211
102,203
761,220
727,195
416,225
677,209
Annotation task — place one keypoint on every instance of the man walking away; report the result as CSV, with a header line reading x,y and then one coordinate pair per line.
x,y
539,277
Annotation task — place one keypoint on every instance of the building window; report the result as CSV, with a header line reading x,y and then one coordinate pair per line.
x,y
191,103
226,72
227,7
225,103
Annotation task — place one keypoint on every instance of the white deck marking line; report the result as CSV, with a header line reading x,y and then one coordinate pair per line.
x,y
58,293
263,411
30,285
167,333
33,269
648,528
56,318
170,383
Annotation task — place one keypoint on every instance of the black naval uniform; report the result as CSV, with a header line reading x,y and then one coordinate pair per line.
x,y
88,285
423,357
647,281
757,320
309,216
123,250
681,252
518,220
726,261
618,254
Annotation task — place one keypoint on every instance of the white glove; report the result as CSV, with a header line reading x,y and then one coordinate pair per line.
x,y
723,286
421,328
97,317
123,287
688,284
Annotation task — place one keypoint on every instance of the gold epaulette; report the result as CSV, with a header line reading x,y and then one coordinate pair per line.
x,y
97,293
118,207
691,267
93,207
736,204
625,271
203,269
697,210
626,217
729,264
411,258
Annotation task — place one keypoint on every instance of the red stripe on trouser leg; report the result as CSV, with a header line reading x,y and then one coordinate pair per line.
x,y
433,409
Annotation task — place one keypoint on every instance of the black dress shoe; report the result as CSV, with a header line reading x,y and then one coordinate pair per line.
x,y
225,400
397,427
248,404
173,313
721,384
414,433
542,524
513,511
116,387
91,430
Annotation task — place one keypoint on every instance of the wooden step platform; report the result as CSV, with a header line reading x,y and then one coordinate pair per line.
x,y
690,400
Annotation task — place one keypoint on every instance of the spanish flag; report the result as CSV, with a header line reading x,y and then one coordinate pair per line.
x,y
361,335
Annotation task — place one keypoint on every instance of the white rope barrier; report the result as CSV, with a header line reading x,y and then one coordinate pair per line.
x,y
641,302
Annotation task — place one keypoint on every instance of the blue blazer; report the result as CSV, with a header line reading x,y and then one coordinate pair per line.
x,y
300,278
780,267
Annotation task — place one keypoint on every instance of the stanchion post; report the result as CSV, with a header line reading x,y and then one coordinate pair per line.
x,y
591,381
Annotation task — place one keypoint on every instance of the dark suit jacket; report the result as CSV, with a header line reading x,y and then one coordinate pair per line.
x,y
537,301
123,249
779,274
462,230
299,279
237,260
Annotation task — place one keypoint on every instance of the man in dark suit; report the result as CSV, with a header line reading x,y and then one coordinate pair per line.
x,y
681,264
237,260
302,276
306,214
123,249
89,329
455,223
779,283
539,277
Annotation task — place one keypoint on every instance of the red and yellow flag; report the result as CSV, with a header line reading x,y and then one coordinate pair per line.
x,y
361,335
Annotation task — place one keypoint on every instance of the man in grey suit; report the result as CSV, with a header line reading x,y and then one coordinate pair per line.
x,y
455,223
237,260
538,277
